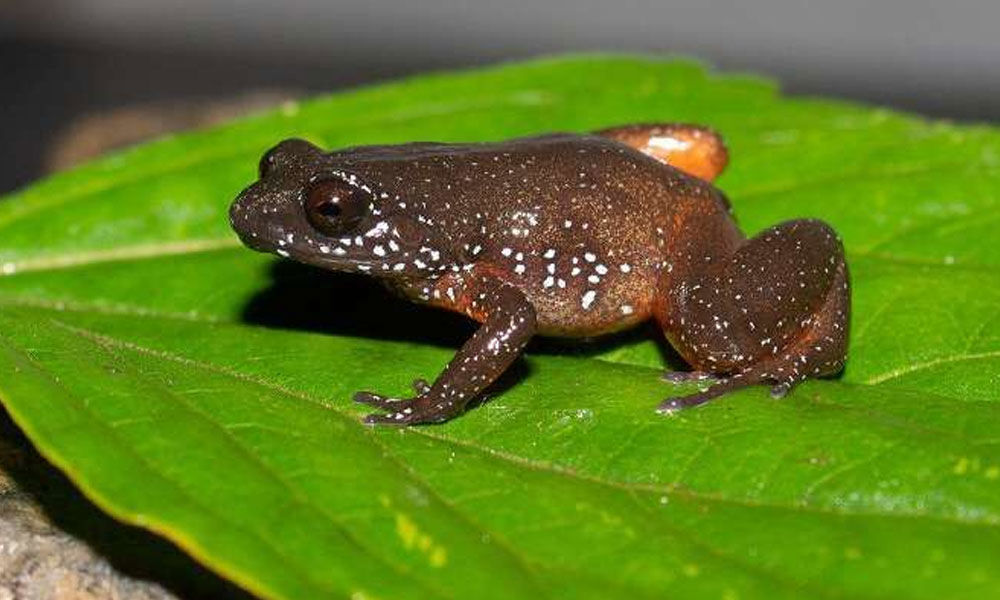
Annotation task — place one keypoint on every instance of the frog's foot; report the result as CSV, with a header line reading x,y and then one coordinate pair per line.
x,y
778,391
720,386
421,387
376,400
686,376
422,408
672,405
752,376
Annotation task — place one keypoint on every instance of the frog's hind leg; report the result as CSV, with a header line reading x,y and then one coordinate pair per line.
x,y
697,151
776,312
718,387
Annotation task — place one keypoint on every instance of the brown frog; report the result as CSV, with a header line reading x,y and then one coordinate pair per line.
x,y
562,235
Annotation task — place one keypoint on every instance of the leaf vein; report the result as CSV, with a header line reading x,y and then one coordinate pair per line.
x,y
929,364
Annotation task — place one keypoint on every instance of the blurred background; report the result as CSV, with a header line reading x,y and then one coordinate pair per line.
x,y
64,60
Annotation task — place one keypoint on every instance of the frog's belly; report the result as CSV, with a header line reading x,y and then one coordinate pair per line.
x,y
590,311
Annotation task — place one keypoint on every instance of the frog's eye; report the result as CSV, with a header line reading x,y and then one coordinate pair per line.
x,y
333,206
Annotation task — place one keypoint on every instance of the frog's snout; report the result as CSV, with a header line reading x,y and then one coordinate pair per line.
x,y
264,213
246,221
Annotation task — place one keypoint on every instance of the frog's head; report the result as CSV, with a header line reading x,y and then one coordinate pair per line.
x,y
312,207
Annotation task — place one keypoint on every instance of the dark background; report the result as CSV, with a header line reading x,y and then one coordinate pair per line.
x,y
60,59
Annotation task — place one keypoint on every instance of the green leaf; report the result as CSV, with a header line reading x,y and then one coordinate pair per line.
x,y
201,390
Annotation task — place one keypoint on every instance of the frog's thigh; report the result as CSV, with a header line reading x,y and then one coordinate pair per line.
x,y
698,151
776,311
783,291
794,285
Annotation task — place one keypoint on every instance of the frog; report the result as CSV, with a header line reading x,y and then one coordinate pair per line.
x,y
566,235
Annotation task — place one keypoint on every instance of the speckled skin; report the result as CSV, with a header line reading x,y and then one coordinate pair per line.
x,y
561,235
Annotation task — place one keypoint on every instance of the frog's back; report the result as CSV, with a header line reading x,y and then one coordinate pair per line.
x,y
581,224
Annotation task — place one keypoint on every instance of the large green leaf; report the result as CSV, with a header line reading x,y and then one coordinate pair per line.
x,y
200,390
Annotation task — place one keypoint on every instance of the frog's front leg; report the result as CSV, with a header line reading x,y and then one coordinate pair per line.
x,y
508,324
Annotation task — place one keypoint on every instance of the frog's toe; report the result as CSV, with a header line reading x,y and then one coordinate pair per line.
x,y
412,411
781,389
719,387
686,376
672,405
397,417
421,387
406,412
376,400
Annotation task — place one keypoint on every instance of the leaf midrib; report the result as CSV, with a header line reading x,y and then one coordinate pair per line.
x,y
153,250
928,364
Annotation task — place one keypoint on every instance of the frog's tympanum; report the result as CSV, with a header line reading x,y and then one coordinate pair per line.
x,y
561,235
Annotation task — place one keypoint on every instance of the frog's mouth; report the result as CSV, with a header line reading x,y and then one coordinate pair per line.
x,y
297,242
255,221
